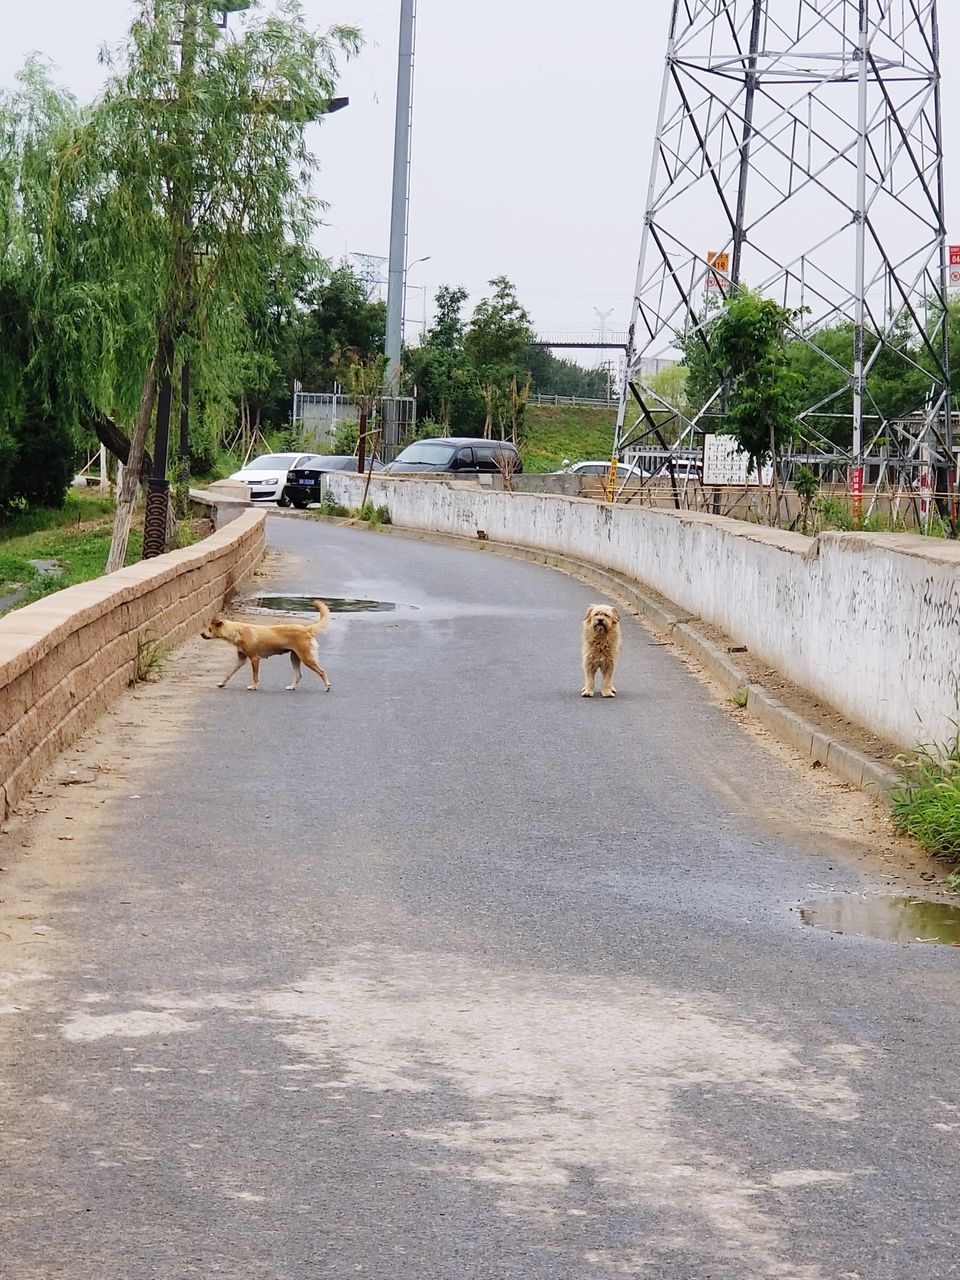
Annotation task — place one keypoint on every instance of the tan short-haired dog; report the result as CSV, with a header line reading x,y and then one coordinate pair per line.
x,y
599,648
256,642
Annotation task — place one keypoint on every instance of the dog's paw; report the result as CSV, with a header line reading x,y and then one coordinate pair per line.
x,y
586,693
291,688
251,688
608,693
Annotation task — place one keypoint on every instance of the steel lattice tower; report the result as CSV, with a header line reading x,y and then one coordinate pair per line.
x,y
801,141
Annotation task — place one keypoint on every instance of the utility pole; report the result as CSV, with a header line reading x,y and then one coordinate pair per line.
x,y
829,197
158,489
397,270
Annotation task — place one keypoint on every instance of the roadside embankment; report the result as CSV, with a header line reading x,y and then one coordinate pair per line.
x,y
65,658
870,623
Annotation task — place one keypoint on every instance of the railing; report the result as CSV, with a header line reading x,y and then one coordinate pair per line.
x,y
582,338
591,402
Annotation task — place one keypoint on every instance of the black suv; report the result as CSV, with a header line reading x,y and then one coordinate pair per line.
x,y
305,483
457,455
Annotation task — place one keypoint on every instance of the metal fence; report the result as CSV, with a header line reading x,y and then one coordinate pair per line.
x,y
592,402
318,414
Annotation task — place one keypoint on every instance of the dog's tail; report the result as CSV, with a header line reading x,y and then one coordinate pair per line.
x,y
324,612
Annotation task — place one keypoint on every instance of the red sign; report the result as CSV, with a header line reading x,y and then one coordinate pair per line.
x,y
955,255
856,490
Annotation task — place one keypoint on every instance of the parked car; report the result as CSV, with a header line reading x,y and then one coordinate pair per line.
x,y
684,469
266,476
464,455
601,469
305,483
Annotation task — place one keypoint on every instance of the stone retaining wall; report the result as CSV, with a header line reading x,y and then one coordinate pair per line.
x,y
65,658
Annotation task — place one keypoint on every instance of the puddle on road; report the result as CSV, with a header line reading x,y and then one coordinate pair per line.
x,y
901,920
304,604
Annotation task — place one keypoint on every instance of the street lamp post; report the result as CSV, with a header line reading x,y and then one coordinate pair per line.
x,y
416,262
399,204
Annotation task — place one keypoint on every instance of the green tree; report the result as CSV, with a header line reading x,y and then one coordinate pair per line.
x,y
39,370
334,326
896,385
496,341
194,171
442,371
550,375
748,351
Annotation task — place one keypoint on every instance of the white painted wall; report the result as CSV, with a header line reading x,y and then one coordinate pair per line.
x,y
868,622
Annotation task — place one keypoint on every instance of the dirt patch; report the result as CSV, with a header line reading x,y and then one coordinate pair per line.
x,y
51,844
200,527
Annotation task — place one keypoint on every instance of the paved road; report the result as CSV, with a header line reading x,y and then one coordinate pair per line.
x,y
453,974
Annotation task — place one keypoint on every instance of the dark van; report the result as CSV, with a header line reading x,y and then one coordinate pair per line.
x,y
457,455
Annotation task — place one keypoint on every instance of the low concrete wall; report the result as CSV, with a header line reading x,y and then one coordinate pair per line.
x,y
66,657
211,504
868,622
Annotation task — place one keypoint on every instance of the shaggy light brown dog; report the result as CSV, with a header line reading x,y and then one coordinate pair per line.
x,y
254,643
599,648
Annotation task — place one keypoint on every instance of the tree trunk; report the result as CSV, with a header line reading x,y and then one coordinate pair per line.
x,y
132,476
362,440
366,487
110,435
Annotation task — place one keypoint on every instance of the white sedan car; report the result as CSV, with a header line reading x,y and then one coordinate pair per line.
x,y
265,476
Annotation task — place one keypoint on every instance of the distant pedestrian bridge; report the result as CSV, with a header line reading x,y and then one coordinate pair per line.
x,y
616,338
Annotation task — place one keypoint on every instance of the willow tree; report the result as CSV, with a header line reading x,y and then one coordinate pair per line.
x,y
39,371
195,173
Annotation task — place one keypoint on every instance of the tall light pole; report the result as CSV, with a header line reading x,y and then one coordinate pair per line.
x,y
396,270
415,263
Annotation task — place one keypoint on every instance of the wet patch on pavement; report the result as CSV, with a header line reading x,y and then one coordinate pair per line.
x,y
304,604
901,920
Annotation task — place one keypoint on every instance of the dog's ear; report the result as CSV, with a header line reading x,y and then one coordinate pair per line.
x,y
616,614
586,616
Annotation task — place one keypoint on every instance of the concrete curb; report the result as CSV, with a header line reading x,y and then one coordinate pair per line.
x,y
789,726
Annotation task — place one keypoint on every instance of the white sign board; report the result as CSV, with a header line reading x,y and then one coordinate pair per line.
x,y
724,463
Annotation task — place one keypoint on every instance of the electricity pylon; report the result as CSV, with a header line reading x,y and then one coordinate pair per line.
x,y
798,151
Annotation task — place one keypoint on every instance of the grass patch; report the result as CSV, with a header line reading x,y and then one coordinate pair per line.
x,y
740,698
375,517
926,805
76,534
151,661
81,506
555,432
330,507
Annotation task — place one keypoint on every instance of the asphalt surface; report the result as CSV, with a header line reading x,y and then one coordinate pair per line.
x,y
450,973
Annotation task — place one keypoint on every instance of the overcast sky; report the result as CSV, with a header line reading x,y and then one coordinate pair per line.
x,y
533,124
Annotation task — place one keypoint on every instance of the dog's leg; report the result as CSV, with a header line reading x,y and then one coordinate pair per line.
x,y
606,684
229,676
255,670
315,666
312,659
588,679
297,673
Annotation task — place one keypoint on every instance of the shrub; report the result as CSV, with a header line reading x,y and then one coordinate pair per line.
x,y
37,463
926,805
835,514
330,507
